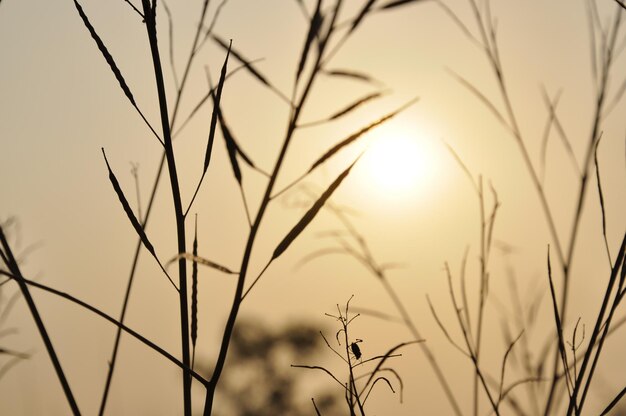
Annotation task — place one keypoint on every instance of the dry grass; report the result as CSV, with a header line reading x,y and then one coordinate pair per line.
x,y
558,373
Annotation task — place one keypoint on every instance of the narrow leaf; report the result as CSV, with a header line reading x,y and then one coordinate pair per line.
x,y
231,141
13,353
202,261
244,156
310,214
356,135
214,115
248,65
314,27
396,3
231,144
243,60
359,76
231,147
355,104
105,53
118,74
129,212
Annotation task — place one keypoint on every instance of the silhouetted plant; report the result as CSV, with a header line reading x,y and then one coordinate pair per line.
x,y
325,37
355,391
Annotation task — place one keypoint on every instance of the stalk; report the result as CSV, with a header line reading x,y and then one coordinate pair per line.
x,y
178,209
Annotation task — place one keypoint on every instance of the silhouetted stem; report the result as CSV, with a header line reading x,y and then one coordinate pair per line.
x,y
598,329
425,349
567,265
13,267
123,327
232,317
178,210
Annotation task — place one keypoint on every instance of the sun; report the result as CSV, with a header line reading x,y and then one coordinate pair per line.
x,y
398,165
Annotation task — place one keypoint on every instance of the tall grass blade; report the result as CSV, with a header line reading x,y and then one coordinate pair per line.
x,y
356,135
311,213
314,27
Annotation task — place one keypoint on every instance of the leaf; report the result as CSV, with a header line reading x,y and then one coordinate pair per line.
x,y
366,8
396,3
13,353
243,60
214,115
129,212
202,261
356,135
359,76
133,220
248,64
355,104
231,139
311,213
105,53
314,27
231,147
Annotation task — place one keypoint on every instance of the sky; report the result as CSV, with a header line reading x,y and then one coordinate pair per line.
x,y
60,104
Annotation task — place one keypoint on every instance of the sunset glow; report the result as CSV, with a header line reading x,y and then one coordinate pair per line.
x,y
398,165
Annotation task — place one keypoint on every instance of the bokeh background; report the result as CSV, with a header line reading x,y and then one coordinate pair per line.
x,y
59,104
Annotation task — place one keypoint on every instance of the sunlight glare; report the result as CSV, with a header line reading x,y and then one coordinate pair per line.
x,y
398,165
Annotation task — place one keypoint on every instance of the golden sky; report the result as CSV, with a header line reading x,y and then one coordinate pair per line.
x,y
60,104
